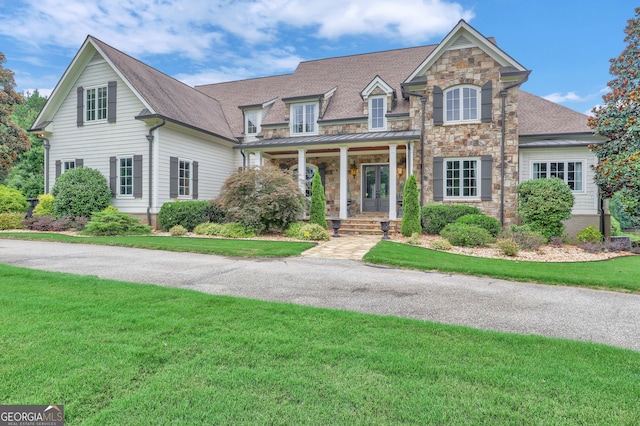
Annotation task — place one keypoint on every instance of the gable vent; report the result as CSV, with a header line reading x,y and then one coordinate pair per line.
x,y
460,43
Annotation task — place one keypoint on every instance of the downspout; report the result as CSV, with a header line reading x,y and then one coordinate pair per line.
x,y
47,145
423,102
150,139
244,159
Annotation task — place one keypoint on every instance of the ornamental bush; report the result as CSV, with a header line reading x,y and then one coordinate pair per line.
x,y
109,222
178,231
508,246
44,206
589,235
543,204
461,234
208,228
12,200
50,223
80,192
11,220
489,223
189,214
265,199
318,208
411,208
436,216
307,231
526,238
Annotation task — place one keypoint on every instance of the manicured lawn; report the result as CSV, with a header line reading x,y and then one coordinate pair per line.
x,y
116,353
621,274
223,247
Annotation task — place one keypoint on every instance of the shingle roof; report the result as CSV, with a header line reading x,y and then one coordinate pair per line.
x,y
538,116
169,97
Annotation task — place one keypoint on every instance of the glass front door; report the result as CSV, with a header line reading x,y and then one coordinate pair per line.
x,y
375,194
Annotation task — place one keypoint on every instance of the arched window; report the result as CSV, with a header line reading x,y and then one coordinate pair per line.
x,y
462,103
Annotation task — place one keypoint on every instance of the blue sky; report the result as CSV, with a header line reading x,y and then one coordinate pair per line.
x,y
566,43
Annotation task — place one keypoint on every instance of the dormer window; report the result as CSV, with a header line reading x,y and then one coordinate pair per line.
x,y
462,103
252,122
377,111
304,118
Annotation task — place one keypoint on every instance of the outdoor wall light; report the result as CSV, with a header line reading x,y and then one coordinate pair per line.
x,y
354,169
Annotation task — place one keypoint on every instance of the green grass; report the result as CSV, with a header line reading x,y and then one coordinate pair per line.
x,y
223,247
116,353
620,274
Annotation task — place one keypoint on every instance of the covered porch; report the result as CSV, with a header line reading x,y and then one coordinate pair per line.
x,y
362,174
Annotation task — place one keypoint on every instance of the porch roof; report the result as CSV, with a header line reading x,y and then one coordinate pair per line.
x,y
331,139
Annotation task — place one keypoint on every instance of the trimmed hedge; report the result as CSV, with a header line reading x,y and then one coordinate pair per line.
x,y
436,216
460,234
188,214
80,192
489,223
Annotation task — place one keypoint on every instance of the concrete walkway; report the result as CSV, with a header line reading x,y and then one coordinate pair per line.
x,y
350,247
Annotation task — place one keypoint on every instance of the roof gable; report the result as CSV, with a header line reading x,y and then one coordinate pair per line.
x,y
464,35
376,83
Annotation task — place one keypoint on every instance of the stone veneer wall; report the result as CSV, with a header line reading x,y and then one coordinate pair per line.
x,y
470,66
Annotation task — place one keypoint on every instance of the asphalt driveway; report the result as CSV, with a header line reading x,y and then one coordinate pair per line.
x,y
486,303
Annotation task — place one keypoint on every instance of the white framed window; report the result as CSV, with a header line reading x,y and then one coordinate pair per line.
x,y
184,178
303,118
462,103
125,176
569,171
310,172
68,165
95,104
377,112
252,122
462,178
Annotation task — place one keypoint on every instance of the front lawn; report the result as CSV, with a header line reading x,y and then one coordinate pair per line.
x,y
116,353
619,274
222,247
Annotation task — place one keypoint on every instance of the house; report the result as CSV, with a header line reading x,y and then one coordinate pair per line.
x,y
452,114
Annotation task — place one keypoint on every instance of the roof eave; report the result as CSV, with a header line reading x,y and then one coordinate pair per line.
x,y
187,125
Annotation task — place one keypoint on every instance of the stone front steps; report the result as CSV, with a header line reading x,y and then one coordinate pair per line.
x,y
367,225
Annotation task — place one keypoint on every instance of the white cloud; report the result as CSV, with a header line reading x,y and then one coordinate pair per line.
x,y
568,97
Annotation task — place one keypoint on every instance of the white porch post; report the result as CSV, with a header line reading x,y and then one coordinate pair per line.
x,y
258,158
344,166
393,169
302,171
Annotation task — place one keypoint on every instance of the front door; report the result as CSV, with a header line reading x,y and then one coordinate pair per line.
x,y
375,197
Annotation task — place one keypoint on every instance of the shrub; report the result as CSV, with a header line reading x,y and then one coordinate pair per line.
x,y
589,235
307,231
110,222
441,244
508,246
188,214
616,229
49,223
436,216
489,223
294,230
11,220
592,247
208,228
44,206
265,199
236,230
526,238
543,204
12,200
80,192
178,231
317,210
414,239
460,234
556,242
411,208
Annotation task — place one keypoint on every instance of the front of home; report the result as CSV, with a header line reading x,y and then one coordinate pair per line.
x,y
452,114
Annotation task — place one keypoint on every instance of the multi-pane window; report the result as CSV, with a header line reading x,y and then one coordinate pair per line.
x,y
96,104
461,104
461,178
68,165
252,122
376,113
303,118
126,176
568,171
184,178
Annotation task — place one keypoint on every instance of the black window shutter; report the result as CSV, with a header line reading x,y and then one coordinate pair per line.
x,y
173,177
322,169
58,168
80,106
485,178
113,175
438,119
111,101
438,179
137,176
195,180
79,162
487,102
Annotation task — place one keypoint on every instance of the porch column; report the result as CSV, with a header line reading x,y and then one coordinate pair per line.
x,y
344,168
302,171
257,159
393,170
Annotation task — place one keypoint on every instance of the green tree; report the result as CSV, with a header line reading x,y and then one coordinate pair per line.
x,y
317,210
13,139
27,174
411,208
618,120
543,204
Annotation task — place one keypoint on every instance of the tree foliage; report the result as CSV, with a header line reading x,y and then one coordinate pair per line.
x,y
411,208
13,139
619,121
317,210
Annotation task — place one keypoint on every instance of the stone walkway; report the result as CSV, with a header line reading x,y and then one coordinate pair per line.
x,y
350,247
